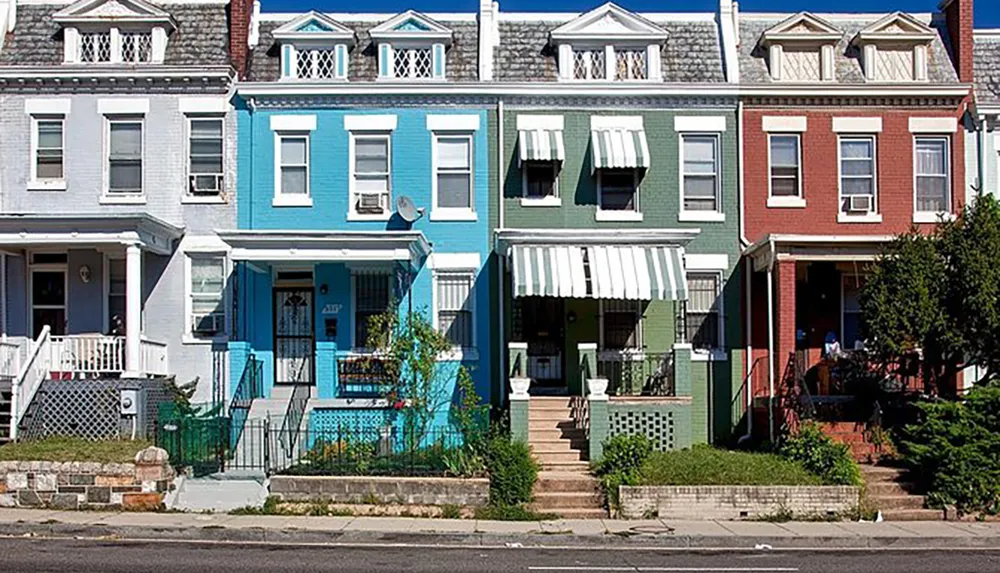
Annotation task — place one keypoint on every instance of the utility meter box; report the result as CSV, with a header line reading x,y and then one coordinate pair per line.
x,y
129,401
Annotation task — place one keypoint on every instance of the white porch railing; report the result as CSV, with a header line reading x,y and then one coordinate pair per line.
x,y
95,354
36,369
10,358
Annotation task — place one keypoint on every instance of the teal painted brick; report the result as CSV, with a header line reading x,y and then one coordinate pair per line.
x,y
519,420
599,429
682,370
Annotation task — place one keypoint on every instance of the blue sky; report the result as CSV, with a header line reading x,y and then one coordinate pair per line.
x,y
987,11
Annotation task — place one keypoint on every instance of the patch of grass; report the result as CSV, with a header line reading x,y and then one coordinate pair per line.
x,y
271,507
451,511
711,466
512,513
66,449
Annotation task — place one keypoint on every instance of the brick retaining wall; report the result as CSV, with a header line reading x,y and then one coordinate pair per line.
x,y
736,502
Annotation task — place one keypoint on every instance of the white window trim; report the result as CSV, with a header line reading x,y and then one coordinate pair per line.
x,y
933,125
280,198
188,197
683,215
189,337
857,125
873,216
615,215
456,353
554,200
700,124
948,213
206,105
34,183
451,213
796,201
352,213
718,354
355,348
107,197
785,123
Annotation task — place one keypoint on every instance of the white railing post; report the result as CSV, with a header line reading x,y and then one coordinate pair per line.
x,y
133,308
32,374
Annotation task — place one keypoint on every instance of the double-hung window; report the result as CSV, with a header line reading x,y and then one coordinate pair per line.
x,y
205,156
48,149
453,173
933,174
621,325
857,175
541,179
293,167
371,168
786,165
619,190
455,306
125,146
207,285
704,320
700,172
371,299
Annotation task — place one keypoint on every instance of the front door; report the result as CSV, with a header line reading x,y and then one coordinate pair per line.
x,y
48,301
542,327
294,357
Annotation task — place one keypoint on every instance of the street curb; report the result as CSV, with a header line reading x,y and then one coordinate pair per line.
x,y
288,536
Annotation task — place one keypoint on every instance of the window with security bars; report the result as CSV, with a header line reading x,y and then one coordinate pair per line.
x,y
785,169
136,47
589,64
371,298
414,63
454,306
630,65
933,177
703,316
371,174
318,64
621,324
207,305
49,143
205,164
700,172
95,47
125,157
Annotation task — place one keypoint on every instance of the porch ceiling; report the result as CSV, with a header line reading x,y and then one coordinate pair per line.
x,y
773,248
326,246
22,230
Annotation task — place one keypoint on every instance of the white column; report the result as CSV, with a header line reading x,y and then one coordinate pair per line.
x,y
133,307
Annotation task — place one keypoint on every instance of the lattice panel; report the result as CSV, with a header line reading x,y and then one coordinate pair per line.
x,y
630,64
95,47
894,65
137,48
800,65
317,64
589,65
321,421
656,425
413,63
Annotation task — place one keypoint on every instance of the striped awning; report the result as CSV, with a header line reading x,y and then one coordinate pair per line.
x,y
600,272
619,149
541,145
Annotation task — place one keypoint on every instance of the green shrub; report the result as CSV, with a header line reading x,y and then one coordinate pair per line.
x,y
705,465
511,513
623,456
819,454
954,450
512,470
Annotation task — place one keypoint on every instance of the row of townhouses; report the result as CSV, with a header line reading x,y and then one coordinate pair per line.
x,y
191,187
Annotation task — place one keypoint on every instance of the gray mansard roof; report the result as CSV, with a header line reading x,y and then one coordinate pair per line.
x,y
986,56
201,38
461,60
753,57
691,54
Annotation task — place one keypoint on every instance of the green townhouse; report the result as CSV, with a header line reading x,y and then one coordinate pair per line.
x,y
616,227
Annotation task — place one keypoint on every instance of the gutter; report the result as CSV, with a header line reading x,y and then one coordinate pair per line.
x,y
576,89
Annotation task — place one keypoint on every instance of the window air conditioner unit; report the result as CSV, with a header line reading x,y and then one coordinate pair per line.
x,y
370,203
860,204
208,323
205,184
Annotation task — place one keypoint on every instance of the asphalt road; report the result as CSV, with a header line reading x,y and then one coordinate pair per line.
x,y
78,556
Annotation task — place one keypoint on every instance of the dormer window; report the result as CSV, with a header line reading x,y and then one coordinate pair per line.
x,y
801,49
895,49
114,32
609,44
411,46
314,47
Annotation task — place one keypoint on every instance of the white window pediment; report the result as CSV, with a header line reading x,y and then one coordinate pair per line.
x,y
114,32
801,49
609,43
895,49
411,46
314,47
411,27
609,23
113,11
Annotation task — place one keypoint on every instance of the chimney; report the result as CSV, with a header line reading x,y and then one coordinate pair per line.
x,y
958,18
240,15
488,16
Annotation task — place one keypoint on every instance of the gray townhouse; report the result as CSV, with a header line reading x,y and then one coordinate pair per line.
x,y
117,164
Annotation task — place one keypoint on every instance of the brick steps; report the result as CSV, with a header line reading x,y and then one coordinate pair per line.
x,y
564,481
890,490
564,486
913,515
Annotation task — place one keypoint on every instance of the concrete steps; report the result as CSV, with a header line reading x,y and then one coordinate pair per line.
x,y
564,481
913,515
891,491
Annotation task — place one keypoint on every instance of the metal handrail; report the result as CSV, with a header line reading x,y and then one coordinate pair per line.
x,y
34,371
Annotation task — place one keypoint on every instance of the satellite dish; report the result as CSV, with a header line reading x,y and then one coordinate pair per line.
x,y
407,210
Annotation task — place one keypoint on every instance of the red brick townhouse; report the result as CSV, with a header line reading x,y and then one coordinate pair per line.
x,y
852,133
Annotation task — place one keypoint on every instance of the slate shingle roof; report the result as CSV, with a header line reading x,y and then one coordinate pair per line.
x,y
691,54
461,61
986,64
753,57
201,38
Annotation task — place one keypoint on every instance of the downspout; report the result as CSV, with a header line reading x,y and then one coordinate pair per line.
x,y
250,292
749,349
770,342
501,339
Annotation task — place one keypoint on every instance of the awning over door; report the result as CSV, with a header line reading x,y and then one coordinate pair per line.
x,y
327,246
541,145
549,271
619,149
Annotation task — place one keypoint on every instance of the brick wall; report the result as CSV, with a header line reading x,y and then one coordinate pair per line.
x,y
736,502
959,19
419,491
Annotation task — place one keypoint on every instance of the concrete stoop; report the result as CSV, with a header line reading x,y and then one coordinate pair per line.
x,y
892,492
219,494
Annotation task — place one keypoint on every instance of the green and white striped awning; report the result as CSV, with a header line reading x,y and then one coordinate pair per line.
x,y
601,272
619,149
541,145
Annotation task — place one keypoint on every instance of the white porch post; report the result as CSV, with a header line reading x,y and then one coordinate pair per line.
x,y
133,307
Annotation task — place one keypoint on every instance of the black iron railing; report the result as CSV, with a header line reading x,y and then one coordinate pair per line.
x,y
362,376
249,388
639,374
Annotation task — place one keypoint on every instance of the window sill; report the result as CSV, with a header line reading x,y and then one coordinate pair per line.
x,y
868,218
459,355
925,217
453,215
709,356
541,202
203,200
786,203
618,216
53,185
701,217
352,216
122,199
189,339
287,201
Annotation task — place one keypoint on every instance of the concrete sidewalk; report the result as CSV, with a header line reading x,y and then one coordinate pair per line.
x,y
560,533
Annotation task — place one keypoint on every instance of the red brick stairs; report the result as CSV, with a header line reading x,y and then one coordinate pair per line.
x,y
853,435
565,486
890,490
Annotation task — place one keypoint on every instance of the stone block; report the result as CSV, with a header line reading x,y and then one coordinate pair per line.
x,y
8,500
152,472
3,487
152,456
99,494
126,489
46,482
81,479
28,498
149,486
116,498
114,480
17,480
141,501
74,489
65,501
